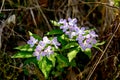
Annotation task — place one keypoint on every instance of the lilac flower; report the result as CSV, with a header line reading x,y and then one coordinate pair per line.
x,y
72,28
47,51
93,34
55,42
65,24
80,38
92,41
46,40
38,57
44,47
68,25
65,27
88,40
41,43
85,45
72,22
36,53
80,31
32,41
62,21
70,34
39,48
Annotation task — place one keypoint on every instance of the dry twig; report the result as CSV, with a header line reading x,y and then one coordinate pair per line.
x,y
98,61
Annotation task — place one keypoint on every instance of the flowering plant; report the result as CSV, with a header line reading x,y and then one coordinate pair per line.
x,y
60,51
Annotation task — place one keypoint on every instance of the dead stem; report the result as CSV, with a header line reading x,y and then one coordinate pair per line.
x,y
98,61
2,5
32,14
49,27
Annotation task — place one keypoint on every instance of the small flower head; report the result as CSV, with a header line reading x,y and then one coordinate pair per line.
x,y
32,41
93,34
85,45
44,47
39,48
68,25
72,22
62,21
70,34
46,40
55,42
36,53
64,27
48,51
87,40
80,31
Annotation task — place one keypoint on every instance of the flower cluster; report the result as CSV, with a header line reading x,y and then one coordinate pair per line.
x,y
44,47
69,26
32,41
85,38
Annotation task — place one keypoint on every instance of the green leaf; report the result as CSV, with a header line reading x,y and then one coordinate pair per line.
x,y
24,48
63,39
23,54
99,43
70,45
26,72
52,58
56,73
73,63
35,36
72,54
88,52
31,60
54,32
55,23
62,61
45,65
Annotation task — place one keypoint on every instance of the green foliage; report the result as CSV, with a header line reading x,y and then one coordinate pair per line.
x,y
35,36
62,61
88,52
72,54
45,66
71,44
25,48
55,23
52,59
98,44
23,54
63,39
117,3
30,60
55,32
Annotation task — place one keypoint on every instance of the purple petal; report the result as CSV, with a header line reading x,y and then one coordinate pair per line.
x,y
93,34
39,48
62,21
38,57
72,22
43,53
32,41
46,40
55,42
36,53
